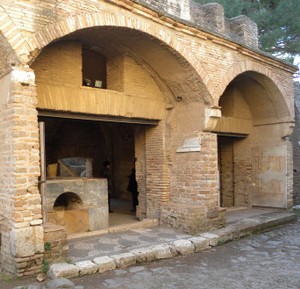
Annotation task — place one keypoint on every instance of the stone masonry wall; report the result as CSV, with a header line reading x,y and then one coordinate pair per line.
x,y
56,243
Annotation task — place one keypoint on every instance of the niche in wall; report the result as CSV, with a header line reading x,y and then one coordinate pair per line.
x,y
93,68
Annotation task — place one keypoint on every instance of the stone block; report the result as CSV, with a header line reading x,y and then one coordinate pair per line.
x,y
184,247
200,243
124,260
36,222
22,242
98,219
105,263
213,238
38,232
86,267
63,270
143,254
164,251
225,235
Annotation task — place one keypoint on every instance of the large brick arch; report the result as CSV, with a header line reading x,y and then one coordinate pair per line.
x,y
71,24
245,66
8,55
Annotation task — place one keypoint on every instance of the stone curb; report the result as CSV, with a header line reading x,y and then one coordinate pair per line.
x,y
185,246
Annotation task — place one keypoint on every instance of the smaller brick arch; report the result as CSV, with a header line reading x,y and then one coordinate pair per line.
x,y
240,68
277,94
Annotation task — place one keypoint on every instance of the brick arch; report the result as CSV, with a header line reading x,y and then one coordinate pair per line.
x,y
238,69
11,39
73,23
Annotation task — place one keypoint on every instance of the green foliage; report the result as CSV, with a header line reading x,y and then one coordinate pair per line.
x,y
45,266
221,242
6,277
69,261
47,246
297,212
277,21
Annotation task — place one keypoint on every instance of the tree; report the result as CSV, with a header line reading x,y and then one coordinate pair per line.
x,y
277,21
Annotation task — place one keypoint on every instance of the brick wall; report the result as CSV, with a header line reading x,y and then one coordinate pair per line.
x,y
226,172
158,172
243,171
137,80
193,198
22,234
59,64
295,138
209,17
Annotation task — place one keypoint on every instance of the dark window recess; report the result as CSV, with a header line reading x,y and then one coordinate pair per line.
x,y
93,69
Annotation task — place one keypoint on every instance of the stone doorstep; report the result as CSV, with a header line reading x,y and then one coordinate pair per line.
x,y
185,246
115,229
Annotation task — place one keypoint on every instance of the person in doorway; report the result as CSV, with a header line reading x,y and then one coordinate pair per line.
x,y
133,188
106,173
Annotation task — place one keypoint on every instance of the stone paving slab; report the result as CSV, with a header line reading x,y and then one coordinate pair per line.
x,y
120,250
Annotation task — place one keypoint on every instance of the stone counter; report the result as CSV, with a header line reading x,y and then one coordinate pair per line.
x,y
92,211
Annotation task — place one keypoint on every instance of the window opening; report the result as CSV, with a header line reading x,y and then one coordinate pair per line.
x,y
93,69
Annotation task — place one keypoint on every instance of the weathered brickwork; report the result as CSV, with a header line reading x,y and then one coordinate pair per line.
x,y
168,64
20,197
158,171
296,148
210,17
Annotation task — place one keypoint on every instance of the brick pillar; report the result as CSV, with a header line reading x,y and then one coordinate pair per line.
x,y
22,239
193,205
158,172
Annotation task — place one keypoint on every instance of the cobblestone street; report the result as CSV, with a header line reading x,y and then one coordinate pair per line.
x,y
269,260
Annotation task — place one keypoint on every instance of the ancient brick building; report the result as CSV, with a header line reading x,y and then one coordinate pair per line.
x,y
175,85
295,138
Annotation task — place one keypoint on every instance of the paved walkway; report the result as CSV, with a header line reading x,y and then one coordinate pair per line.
x,y
239,223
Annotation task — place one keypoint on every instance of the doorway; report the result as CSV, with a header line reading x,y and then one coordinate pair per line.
x,y
226,169
97,142
233,171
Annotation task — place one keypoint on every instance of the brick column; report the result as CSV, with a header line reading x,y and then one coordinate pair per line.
x,y
193,205
22,240
158,172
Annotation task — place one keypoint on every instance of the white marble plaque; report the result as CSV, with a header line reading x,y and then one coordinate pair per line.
x,y
190,145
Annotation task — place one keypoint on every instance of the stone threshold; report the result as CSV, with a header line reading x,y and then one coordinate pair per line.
x,y
115,229
240,229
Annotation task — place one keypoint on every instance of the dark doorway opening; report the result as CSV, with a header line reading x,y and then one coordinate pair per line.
x,y
96,141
